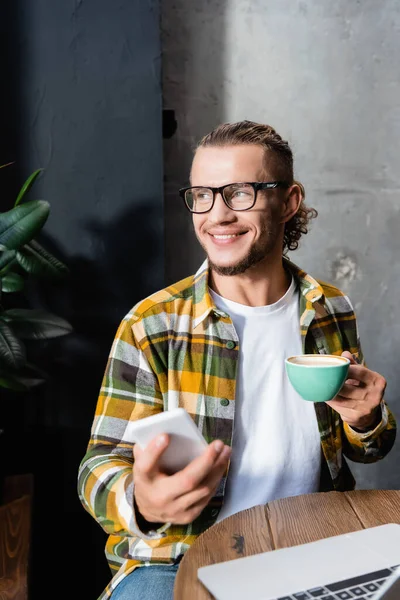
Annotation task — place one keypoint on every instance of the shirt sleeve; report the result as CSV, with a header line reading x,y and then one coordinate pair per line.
x,y
129,391
368,446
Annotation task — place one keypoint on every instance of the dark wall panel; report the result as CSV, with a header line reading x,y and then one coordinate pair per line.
x,y
86,99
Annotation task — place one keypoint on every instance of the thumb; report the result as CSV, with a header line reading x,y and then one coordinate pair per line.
x,y
146,460
351,358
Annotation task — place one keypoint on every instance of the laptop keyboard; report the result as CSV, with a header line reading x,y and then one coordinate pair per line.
x,y
362,587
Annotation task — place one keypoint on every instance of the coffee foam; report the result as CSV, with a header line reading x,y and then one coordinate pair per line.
x,y
318,360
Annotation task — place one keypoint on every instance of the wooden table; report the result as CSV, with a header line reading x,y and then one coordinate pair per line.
x,y
280,524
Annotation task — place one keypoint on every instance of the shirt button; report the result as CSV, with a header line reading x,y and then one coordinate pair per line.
x,y
230,345
224,402
214,512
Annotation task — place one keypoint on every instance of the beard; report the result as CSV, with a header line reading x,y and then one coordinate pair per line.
x,y
259,251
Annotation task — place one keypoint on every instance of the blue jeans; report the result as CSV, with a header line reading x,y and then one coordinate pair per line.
x,y
147,583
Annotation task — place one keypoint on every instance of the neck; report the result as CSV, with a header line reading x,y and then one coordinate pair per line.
x,y
264,283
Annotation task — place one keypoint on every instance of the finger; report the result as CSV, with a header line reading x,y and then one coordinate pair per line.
x,y
201,494
147,460
352,392
215,476
351,358
374,382
222,461
342,405
352,416
191,514
362,374
354,382
208,487
191,476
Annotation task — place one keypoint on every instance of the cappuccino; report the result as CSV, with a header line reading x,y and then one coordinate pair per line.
x,y
317,377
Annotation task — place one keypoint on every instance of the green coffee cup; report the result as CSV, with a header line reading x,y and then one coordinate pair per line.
x,y
317,377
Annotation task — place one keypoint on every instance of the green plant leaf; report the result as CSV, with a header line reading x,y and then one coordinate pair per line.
x,y
25,378
6,165
20,224
12,282
6,258
11,384
32,324
27,186
18,383
12,350
34,259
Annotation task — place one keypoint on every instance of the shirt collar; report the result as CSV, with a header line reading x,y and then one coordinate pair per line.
x,y
309,287
203,304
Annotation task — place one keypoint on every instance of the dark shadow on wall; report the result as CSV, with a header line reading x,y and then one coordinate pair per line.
x,y
70,103
9,104
47,430
194,53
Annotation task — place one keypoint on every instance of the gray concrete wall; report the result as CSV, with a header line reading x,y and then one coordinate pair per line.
x,y
326,76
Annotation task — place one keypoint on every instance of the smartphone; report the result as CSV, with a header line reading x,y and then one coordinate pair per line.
x,y
186,441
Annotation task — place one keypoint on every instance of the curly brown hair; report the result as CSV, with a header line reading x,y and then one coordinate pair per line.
x,y
248,132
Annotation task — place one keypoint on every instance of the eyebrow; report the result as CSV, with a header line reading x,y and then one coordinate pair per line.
x,y
260,178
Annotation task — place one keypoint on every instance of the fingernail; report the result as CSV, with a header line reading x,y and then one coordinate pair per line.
x,y
160,441
227,452
218,446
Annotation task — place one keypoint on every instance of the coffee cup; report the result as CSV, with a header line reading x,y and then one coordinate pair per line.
x,y
317,377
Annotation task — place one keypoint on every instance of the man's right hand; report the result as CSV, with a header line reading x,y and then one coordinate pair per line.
x,y
181,497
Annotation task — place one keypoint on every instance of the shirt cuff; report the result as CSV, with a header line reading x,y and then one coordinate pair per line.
x,y
146,530
370,434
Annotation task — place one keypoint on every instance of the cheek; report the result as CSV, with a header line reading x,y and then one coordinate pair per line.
x,y
260,223
198,223
271,218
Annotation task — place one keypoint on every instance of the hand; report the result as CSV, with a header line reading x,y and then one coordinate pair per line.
x,y
181,497
358,402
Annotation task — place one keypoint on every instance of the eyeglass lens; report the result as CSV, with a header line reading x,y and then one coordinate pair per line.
x,y
238,196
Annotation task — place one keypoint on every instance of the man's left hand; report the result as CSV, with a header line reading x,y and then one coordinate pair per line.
x,y
358,402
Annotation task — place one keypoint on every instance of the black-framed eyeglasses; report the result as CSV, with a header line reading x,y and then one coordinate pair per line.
x,y
237,196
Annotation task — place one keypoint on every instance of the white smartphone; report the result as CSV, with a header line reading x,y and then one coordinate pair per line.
x,y
186,441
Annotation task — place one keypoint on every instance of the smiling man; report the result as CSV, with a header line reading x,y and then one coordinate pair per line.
x,y
215,344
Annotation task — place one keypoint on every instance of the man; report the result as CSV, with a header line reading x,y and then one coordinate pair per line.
x,y
215,344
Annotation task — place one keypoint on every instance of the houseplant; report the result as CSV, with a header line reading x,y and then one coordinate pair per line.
x,y
21,256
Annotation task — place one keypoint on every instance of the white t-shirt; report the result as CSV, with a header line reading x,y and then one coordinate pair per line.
x,y
276,450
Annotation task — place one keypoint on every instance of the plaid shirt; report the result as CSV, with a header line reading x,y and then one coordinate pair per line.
x,y
176,348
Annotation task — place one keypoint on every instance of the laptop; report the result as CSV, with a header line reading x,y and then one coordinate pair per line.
x,y
362,564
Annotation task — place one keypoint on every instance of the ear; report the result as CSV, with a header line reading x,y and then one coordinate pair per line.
x,y
291,203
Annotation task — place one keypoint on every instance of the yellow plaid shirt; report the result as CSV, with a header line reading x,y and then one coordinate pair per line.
x,y
176,348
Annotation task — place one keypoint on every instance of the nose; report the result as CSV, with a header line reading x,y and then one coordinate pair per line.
x,y
220,212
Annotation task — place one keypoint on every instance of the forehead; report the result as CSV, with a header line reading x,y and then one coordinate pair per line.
x,y
216,166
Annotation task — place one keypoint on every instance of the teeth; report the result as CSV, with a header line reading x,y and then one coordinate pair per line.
x,y
226,237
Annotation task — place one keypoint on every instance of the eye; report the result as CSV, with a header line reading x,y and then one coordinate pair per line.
x,y
241,193
203,195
